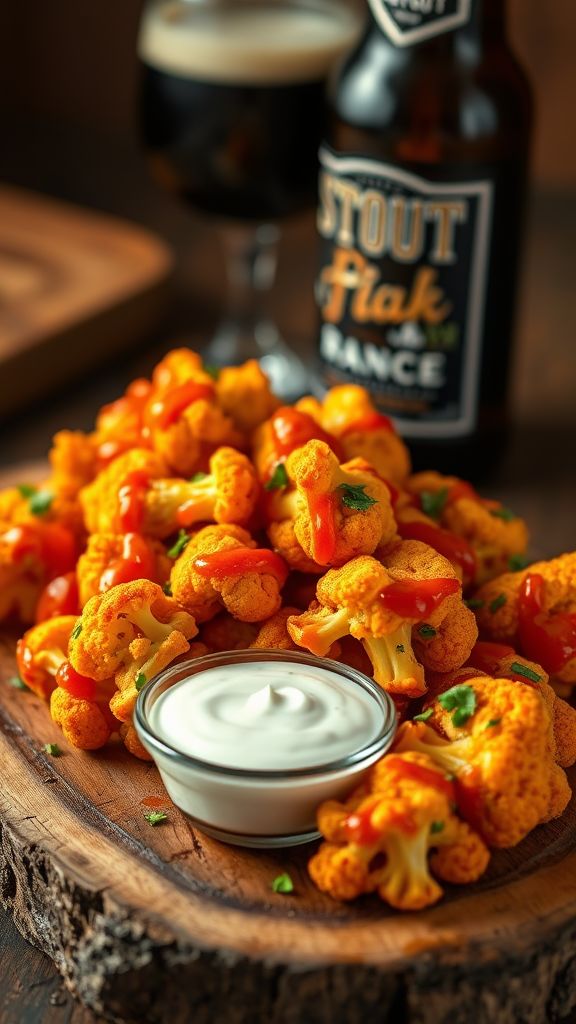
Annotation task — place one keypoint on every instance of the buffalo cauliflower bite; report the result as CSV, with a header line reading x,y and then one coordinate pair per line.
x,y
221,567
495,534
274,632
111,558
114,501
244,394
224,633
86,724
380,839
348,412
227,494
120,424
31,554
287,429
496,738
446,647
41,652
378,605
177,367
73,459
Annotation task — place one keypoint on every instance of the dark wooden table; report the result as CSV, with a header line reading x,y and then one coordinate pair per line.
x,y
537,476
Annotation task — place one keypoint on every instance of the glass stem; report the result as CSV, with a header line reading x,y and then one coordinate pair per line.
x,y
251,259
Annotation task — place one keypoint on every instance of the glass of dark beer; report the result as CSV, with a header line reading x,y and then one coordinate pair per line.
x,y
232,111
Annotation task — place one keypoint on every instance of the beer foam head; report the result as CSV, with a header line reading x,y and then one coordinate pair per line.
x,y
247,42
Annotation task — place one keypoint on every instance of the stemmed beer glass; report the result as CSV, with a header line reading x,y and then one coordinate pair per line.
x,y
232,107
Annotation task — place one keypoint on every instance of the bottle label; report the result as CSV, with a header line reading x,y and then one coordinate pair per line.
x,y
410,21
401,289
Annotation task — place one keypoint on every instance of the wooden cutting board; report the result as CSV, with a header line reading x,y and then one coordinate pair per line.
x,y
75,287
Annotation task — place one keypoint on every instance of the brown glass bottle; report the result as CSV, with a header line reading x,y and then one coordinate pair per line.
x,y
421,203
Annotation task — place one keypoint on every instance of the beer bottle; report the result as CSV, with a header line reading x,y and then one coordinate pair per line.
x,y
422,186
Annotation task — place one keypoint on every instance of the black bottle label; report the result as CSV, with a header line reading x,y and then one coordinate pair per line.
x,y
401,289
406,22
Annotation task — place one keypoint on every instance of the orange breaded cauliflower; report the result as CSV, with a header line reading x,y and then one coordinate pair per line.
x,y
380,839
535,610
109,501
131,631
348,412
227,494
495,534
177,367
244,394
120,424
131,677
86,724
73,459
378,605
41,652
274,632
446,647
496,738
338,512
224,633
214,572
111,558
31,554
287,429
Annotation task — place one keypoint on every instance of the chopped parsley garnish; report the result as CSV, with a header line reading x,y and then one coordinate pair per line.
x,y
492,723
27,490
278,480
76,631
53,749
198,477
179,545
400,648
353,497
524,670
423,716
461,700
283,883
140,681
498,603
426,631
212,371
432,502
517,562
436,827
503,513
167,588
40,502
16,683
474,602
155,817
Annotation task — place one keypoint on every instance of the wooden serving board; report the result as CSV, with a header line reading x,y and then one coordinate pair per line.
x,y
75,287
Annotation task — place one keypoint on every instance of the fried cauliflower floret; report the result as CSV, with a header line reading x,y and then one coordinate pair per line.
x,y
339,512
177,367
224,633
274,632
447,646
412,524
120,424
41,652
131,630
495,737
282,537
379,605
244,394
495,534
227,494
132,742
41,503
31,554
73,459
111,558
349,414
86,724
103,501
214,571
381,838
286,430
132,676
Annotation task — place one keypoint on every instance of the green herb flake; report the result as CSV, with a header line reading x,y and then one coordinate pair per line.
x,y
178,547
16,683
520,669
155,817
426,631
436,827
492,723
423,716
40,502
498,603
353,497
283,883
27,490
278,480
474,602
517,562
167,588
198,477
140,681
53,749
461,700
400,648
212,371
503,513
76,631
432,502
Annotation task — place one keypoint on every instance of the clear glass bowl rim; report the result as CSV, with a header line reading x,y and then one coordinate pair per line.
x,y
175,673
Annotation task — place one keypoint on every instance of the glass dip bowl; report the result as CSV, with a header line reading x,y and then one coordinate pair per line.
x,y
262,807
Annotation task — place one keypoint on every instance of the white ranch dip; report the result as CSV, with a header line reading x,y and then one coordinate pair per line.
x,y
266,715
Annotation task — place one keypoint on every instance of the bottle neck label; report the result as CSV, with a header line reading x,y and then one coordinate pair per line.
x,y
401,289
406,22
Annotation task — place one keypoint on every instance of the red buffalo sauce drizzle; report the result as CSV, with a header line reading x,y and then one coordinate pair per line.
x,y
52,544
76,685
358,826
59,597
454,548
237,561
417,599
421,774
135,563
365,424
486,656
290,429
546,638
323,523
131,501
163,412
